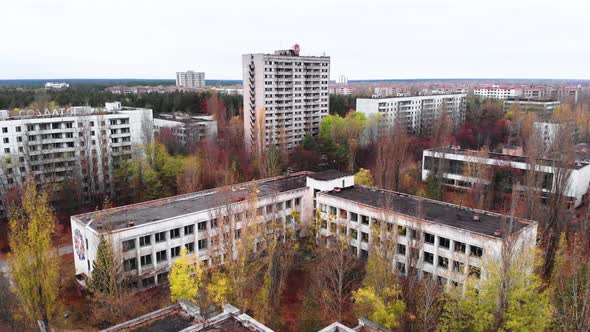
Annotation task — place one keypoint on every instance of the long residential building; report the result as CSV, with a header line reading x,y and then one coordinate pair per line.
x,y
148,237
416,114
285,97
187,129
540,107
451,164
190,79
77,147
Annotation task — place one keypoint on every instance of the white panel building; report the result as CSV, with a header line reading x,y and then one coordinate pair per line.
x,y
455,159
417,114
190,79
78,145
285,97
433,238
497,92
186,128
147,237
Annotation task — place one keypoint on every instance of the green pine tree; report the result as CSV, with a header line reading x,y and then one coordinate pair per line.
x,y
103,279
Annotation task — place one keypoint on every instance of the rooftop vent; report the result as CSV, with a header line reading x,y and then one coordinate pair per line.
x,y
497,233
99,225
130,223
337,190
475,217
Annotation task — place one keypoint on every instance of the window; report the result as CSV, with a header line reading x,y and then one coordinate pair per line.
x,y
364,237
354,217
475,251
190,247
161,256
297,201
146,260
401,230
458,266
5,129
474,272
401,267
5,140
19,139
238,234
279,206
6,150
162,278
214,221
18,130
160,237
145,240
202,244
428,258
175,252
189,229
444,242
354,234
429,238
129,245
364,220
288,204
202,226
333,210
175,233
401,249
130,264
459,247
148,282
443,262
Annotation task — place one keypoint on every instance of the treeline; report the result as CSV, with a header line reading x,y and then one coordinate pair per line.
x,y
96,96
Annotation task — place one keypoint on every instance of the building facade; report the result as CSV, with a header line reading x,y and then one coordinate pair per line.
x,y
187,129
451,164
341,89
432,239
544,108
147,237
75,147
416,114
190,79
497,92
285,97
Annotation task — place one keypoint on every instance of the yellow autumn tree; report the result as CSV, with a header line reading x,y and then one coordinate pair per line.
x,y
363,177
33,260
185,278
218,288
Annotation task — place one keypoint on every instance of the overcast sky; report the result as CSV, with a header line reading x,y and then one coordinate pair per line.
x,y
365,39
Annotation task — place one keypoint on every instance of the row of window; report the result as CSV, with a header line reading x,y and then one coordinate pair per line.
x,y
429,238
162,256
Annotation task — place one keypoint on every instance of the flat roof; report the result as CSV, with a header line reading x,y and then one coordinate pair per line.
x,y
330,174
173,322
506,157
150,211
490,223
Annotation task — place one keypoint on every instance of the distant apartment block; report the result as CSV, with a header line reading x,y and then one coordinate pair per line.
x,y
497,92
56,86
285,97
389,91
190,79
542,93
451,164
416,114
543,108
77,146
341,89
187,129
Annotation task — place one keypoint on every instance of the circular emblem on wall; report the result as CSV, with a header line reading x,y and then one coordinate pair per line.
x,y
79,245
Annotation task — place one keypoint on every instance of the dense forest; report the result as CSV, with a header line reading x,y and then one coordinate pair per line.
x,y
95,95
